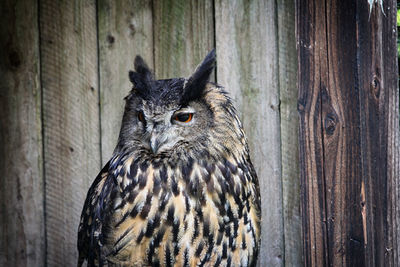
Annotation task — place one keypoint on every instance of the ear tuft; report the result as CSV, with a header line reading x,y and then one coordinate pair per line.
x,y
141,77
141,66
194,86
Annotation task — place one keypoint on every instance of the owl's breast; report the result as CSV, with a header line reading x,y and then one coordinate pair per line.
x,y
182,215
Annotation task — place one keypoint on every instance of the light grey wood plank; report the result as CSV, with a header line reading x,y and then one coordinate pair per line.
x,y
125,30
21,181
183,35
71,119
289,132
246,40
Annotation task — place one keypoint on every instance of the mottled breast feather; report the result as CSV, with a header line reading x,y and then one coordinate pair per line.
x,y
165,212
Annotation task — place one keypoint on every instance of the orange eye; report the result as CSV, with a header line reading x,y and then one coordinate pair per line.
x,y
184,117
141,116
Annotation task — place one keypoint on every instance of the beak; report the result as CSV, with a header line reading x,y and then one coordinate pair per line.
x,y
154,143
157,139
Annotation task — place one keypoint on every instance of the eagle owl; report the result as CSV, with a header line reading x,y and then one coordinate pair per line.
x,y
180,189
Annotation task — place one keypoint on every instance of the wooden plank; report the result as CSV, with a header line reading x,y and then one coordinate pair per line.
x,y
71,120
391,115
310,22
289,132
183,35
125,30
21,180
347,129
330,140
247,65
379,105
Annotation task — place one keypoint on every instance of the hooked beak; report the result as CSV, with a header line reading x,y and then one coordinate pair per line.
x,y
154,143
157,140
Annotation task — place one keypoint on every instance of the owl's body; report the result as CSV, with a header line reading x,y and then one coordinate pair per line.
x,y
180,189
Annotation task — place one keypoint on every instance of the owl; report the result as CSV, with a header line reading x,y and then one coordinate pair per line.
x,y
180,189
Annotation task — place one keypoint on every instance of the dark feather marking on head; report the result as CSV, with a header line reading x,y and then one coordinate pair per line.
x,y
194,86
142,77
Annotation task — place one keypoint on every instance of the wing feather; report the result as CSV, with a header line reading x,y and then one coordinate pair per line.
x,y
91,232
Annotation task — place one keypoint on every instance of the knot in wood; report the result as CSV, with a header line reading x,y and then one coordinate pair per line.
x,y
14,59
330,123
376,86
110,40
132,29
301,106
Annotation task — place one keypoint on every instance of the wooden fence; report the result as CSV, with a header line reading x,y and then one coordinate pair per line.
x,y
64,73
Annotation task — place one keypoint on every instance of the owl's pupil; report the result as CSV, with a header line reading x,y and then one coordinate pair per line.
x,y
184,117
141,116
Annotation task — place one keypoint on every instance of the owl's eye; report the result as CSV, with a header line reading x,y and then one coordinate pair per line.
x,y
141,116
183,117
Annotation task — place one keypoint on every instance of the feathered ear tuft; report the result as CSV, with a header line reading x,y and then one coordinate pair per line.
x,y
141,77
195,85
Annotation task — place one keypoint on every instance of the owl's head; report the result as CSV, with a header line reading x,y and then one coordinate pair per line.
x,y
188,115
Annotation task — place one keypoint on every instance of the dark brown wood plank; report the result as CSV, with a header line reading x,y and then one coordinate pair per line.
x,y
247,66
379,98
349,133
183,35
312,76
341,135
391,130
21,180
71,119
125,30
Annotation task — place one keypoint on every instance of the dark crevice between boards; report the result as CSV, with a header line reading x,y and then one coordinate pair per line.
x,y
99,82
282,256
42,132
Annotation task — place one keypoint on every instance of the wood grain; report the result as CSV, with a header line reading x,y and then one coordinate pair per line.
x,y
125,30
347,131
183,35
377,71
247,65
21,180
70,120
289,132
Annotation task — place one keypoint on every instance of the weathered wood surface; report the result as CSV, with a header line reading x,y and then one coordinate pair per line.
x,y
349,133
379,115
125,30
183,35
246,41
288,93
70,120
21,179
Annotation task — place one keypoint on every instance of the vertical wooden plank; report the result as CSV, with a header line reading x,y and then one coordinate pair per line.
x,y
329,134
71,119
21,180
246,40
348,104
379,98
183,35
289,132
125,30
391,107
342,144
